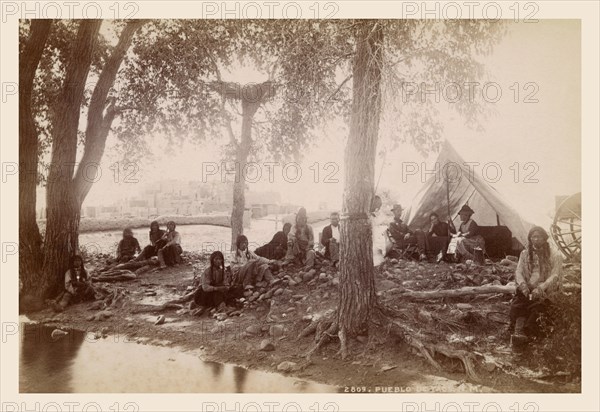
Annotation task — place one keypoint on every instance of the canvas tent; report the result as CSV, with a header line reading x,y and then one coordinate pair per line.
x,y
455,185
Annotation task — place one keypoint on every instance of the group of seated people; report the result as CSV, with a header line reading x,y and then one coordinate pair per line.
x,y
537,277
441,238
166,245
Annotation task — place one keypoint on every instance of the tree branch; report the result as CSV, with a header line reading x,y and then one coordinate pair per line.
x,y
98,124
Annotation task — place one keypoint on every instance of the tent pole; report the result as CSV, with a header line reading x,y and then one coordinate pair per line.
x,y
450,223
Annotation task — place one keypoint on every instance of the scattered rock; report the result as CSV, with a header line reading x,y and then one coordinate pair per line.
x,y
160,320
323,276
489,366
424,316
335,282
287,366
298,279
464,306
386,368
386,285
254,330
221,317
292,283
276,331
266,346
308,276
278,292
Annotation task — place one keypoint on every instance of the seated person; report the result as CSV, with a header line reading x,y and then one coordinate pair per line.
x,y
277,247
331,239
78,286
538,277
468,237
170,253
438,237
215,287
247,267
301,241
401,236
156,242
128,247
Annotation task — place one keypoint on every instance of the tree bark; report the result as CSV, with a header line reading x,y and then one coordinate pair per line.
x,y
30,241
357,283
61,240
252,97
99,123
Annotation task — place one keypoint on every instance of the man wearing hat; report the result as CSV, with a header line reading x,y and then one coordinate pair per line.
x,y
401,236
468,237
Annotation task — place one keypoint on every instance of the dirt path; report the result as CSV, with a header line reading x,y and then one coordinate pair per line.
x,y
377,365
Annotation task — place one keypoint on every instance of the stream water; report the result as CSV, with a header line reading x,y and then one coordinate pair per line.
x,y
78,363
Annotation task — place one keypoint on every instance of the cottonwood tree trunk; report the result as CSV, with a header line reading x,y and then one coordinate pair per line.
x,y
67,189
30,241
252,96
357,283
62,223
239,185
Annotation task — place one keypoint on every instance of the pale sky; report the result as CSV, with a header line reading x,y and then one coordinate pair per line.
x,y
546,134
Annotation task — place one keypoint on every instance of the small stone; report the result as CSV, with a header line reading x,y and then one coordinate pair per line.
x,y
298,279
221,317
386,285
489,366
254,330
335,282
278,292
464,306
266,346
307,276
388,368
104,330
287,366
292,283
323,276
130,325
91,318
291,309
276,331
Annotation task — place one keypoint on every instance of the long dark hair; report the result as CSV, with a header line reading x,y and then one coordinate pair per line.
x,y
152,224
302,213
238,242
83,274
213,256
543,253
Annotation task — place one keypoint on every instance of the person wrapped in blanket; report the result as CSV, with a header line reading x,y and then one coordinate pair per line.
x,y
216,287
277,247
78,286
301,240
170,253
156,242
247,267
539,278
128,246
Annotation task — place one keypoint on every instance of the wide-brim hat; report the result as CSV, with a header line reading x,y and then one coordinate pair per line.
x,y
397,206
466,209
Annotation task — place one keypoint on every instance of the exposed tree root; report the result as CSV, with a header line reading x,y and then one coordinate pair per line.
x,y
326,329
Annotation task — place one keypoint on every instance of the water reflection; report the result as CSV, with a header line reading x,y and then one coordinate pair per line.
x,y
78,364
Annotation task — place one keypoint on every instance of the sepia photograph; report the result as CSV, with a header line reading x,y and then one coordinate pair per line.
x,y
302,204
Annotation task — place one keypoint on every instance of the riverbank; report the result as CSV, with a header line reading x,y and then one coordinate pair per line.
x,y
88,225
266,334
